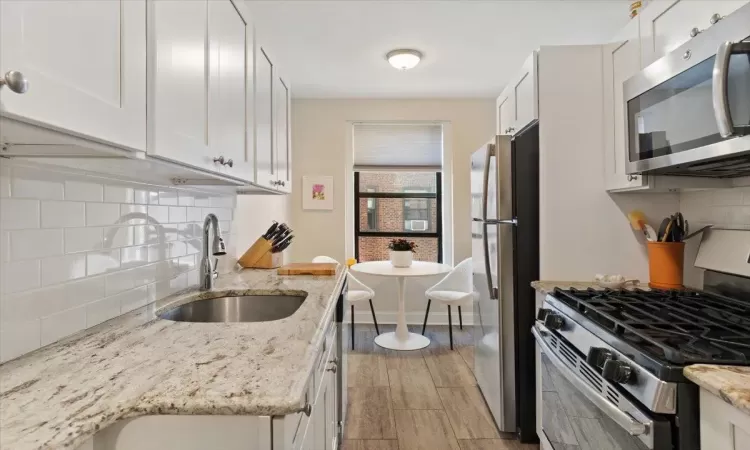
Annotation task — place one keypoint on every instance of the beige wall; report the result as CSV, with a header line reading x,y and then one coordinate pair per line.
x,y
321,140
253,216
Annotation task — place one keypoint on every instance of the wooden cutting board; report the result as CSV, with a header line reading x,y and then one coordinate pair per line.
x,y
308,269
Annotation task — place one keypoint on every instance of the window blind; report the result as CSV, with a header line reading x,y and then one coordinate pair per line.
x,y
392,146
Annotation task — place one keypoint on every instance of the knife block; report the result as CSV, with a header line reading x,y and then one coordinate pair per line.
x,y
259,256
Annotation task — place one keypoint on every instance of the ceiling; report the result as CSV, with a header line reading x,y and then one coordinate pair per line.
x,y
336,49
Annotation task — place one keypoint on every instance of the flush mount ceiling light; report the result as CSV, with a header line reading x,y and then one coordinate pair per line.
x,y
404,59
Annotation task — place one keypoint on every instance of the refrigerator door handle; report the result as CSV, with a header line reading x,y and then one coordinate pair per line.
x,y
502,222
487,266
486,178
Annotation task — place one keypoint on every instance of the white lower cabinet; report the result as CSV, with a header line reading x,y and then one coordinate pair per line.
x,y
314,428
723,427
85,64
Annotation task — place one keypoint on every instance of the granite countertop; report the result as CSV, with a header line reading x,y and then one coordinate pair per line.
x,y
137,364
730,383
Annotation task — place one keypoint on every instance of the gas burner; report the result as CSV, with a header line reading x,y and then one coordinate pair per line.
x,y
678,327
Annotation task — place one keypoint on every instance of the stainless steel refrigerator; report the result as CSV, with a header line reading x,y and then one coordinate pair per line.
x,y
505,256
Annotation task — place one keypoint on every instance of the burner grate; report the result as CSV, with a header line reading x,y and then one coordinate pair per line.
x,y
682,327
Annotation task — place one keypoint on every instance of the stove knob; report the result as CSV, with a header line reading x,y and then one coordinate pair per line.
x,y
617,371
598,356
553,321
542,314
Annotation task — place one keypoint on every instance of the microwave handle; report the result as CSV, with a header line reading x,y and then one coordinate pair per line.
x,y
720,90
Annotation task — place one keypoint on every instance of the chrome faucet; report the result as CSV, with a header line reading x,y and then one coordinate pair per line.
x,y
218,249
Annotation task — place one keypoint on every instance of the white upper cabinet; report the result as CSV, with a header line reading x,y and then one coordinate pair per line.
x,y
197,87
518,105
281,135
505,111
85,63
265,159
621,61
667,24
228,96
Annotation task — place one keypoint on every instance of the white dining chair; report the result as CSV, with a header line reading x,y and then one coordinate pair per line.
x,y
358,292
455,289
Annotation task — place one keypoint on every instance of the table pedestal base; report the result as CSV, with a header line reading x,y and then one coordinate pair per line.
x,y
413,341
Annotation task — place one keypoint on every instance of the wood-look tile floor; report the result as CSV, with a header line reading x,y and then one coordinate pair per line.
x,y
424,399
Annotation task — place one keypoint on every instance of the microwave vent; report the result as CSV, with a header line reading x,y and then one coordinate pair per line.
x,y
722,168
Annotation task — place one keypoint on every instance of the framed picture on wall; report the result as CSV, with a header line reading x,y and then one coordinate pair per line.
x,y
317,193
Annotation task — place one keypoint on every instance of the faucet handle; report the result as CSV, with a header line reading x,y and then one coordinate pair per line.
x,y
215,272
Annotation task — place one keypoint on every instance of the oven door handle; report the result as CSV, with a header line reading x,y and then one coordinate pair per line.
x,y
625,420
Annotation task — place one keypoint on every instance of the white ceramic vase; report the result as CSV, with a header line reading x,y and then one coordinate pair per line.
x,y
401,259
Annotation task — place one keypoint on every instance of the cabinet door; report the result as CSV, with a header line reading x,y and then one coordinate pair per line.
x,y
264,151
667,24
525,95
621,61
226,102
320,414
281,135
179,82
85,62
505,113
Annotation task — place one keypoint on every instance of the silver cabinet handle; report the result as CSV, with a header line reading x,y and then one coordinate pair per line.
x,y
695,32
331,369
15,81
632,177
219,160
511,129
715,18
229,163
307,409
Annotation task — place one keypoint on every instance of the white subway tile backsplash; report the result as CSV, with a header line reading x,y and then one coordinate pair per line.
x,y
102,310
19,214
36,184
177,214
134,214
83,239
102,261
133,299
727,197
185,198
160,214
57,326
84,191
27,244
118,194
168,198
21,276
78,250
63,268
62,214
102,214
19,338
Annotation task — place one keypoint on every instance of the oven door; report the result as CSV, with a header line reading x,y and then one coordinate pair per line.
x,y
689,112
580,409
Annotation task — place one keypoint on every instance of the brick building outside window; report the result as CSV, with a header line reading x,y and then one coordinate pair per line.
x,y
398,205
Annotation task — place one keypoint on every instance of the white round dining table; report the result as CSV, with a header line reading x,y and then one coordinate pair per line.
x,y
401,339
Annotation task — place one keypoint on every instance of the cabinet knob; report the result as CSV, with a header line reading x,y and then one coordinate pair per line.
x,y
331,369
715,18
511,129
688,53
632,177
219,160
695,32
229,163
15,81
307,409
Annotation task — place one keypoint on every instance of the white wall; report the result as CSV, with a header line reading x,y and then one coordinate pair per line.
x,y
321,139
71,257
725,208
583,229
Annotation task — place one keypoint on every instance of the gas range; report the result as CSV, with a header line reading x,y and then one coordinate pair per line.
x,y
622,354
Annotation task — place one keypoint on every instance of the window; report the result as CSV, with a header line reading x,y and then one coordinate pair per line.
x,y
399,204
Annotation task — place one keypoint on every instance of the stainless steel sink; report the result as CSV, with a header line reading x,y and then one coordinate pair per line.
x,y
249,308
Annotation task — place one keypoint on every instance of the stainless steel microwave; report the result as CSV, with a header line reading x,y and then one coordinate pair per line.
x,y
688,113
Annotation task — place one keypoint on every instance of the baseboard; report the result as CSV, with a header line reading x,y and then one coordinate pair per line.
x,y
412,318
